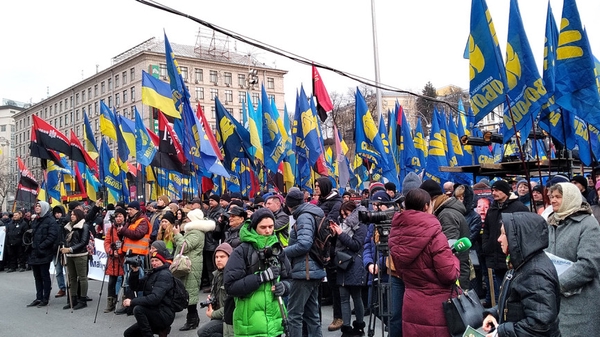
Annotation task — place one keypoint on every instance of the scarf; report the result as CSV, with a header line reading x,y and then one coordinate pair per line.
x,y
571,203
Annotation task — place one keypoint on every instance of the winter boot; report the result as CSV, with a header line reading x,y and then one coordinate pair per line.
x,y
191,322
81,303
358,328
111,303
347,331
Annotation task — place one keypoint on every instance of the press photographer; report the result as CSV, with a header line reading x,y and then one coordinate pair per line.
x,y
115,256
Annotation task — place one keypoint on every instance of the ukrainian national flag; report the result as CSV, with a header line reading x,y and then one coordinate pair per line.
x,y
90,140
108,122
254,121
157,94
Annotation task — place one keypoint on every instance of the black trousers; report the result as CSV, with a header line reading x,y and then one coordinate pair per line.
x,y
43,283
148,321
15,256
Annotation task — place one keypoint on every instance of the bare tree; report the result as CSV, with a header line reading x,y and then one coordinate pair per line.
x,y
7,181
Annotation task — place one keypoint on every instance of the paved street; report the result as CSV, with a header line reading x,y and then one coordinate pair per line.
x,y
18,289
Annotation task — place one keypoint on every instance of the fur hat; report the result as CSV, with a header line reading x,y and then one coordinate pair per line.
x,y
260,214
294,197
432,187
195,215
502,186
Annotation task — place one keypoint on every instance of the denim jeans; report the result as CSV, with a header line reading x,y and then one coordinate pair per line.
x,y
356,293
396,306
303,305
60,275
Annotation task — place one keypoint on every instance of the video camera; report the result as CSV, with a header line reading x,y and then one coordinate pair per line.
x,y
206,303
133,260
382,220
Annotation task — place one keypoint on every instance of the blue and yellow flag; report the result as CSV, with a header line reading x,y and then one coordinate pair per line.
x,y
390,172
582,139
144,147
306,142
369,144
273,146
576,89
110,169
108,122
90,141
487,74
410,160
437,154
526,91
467,150
157,94
233,137
420,144
127,127
289,161
483,154
254,119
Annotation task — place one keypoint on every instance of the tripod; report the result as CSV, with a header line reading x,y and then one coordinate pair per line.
x,y
382,290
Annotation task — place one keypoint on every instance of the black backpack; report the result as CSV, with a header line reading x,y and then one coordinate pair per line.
x,y
320,249
181,298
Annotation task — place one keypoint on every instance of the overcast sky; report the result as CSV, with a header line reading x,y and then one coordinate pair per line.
x,y
57,43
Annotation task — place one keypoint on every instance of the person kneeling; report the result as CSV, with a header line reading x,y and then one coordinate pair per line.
x,y
215,308
154,311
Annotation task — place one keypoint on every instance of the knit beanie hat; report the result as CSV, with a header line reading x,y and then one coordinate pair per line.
x,y
121,211
134,204
580,179
294,197
215,197
432,187
260,214
165,199
410,182
502,186
169,216
225,248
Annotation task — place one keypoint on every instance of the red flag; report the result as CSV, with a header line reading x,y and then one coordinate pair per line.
x,y
207,184
78,153
324,105
208,132
46,137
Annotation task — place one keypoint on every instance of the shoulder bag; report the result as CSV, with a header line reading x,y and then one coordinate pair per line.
x,y
182,265
463,310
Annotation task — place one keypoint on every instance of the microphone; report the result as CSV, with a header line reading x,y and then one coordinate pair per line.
x,y
461,245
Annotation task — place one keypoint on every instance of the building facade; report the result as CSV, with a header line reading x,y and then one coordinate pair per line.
x,y
8,158
207,74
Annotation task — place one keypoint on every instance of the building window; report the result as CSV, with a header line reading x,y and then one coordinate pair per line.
x,y
230,110
214,93
71,102
102,88
96,90
271,97
117,81
67,119
83,111
83,96
163,70
109,84
60,122
198,75
117,100
51,111
255,99
125,112
242,80
202,108
3,128
96,127
77,115
228,95
110,101
227,79
78,131
124,96
132,74
124,74
77,99
184,73
270,83
133,94
89,93
60,105
199,93
242,97
212,112
96,107
214,77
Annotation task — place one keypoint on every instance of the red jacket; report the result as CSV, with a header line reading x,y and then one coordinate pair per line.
x,y
424,261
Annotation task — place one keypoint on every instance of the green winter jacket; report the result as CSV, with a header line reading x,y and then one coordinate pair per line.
x,y
194,245
257,312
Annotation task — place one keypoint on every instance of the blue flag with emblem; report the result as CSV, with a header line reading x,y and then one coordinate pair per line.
x,y
390,173
487,75
526,91
483,154
369,144
233,137
411,161
144,147
306,140
463,130
273,146
436,156
110,171
576,89
420,146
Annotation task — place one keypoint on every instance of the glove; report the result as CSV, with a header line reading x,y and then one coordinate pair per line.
x,y
269,274
280,289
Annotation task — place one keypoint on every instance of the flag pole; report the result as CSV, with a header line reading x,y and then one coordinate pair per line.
x,y
376,61
521,155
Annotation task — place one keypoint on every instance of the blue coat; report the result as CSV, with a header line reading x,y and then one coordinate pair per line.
x,y
301,239
355,275
369,254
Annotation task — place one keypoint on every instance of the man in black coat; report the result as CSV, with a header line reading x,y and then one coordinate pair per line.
x,y
15,252
154,311
504,202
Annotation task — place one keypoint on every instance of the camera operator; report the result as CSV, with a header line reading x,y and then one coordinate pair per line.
x,y
153,312
115,256
212,238
215,309
252,277
136,239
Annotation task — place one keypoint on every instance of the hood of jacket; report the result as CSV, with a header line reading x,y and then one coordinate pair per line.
x,y
451,203
325,186
468,198
413,232
307,208
352,219
45,208
527,234
256,240
204,225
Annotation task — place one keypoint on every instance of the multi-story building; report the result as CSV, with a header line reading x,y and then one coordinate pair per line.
x,y
207,73
8,168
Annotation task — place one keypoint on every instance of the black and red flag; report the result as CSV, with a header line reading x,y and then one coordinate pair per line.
x,y
28,187
324,105
161,159
45,137
78,153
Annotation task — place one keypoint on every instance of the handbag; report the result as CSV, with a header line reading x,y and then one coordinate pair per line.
x,y
343,260
182,265
463,310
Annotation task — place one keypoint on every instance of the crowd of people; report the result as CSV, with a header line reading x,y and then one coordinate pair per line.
x,y
254,270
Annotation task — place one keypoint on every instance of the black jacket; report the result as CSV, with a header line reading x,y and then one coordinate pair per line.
x,y
157,286
78,237
15,231
45,240
529,303
492,251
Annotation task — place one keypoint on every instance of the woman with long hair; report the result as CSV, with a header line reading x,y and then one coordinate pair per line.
x,y
574,235
77,236
424,261
115,257
165,232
